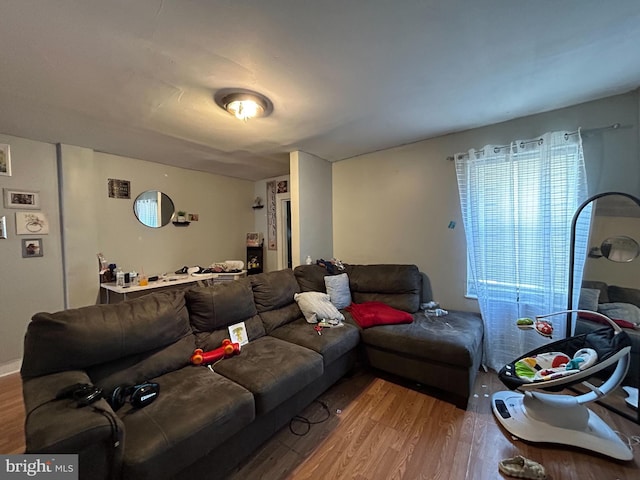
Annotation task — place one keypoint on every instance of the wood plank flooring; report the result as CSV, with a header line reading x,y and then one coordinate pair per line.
x,y
380,429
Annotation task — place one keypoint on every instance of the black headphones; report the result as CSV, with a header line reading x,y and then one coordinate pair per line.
x,y
138,396
83,393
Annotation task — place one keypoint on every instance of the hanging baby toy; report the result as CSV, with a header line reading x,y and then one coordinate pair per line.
x,y
544,328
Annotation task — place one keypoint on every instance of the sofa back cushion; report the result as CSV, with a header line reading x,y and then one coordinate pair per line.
x,y
623,295
218,306
399,286
311,278
79,338
213,309
274,289
273,293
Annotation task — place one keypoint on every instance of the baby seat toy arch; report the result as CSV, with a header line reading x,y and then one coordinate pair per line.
x,y
537,416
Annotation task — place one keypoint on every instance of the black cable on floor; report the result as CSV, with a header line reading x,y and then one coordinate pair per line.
x,y
305,421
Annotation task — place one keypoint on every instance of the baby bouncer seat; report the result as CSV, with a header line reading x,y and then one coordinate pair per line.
x,y
538,410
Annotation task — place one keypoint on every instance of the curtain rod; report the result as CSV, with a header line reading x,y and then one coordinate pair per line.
x,y
614,126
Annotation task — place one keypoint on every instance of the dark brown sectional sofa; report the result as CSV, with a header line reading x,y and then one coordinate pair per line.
x,y
204,422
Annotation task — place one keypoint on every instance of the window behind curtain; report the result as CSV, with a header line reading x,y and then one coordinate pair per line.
x,y
517,205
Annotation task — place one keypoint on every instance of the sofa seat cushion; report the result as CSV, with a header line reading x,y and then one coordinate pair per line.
x,y
196,411
454,339
332,344
272,369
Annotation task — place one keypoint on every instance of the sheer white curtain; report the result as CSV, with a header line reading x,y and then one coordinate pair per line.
x,y
147,209
517,204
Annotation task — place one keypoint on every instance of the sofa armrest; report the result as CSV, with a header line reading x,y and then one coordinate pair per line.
x,y
53,425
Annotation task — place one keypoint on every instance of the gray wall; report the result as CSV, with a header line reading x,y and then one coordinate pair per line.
x,y
311,207
28,285
96,223
395,205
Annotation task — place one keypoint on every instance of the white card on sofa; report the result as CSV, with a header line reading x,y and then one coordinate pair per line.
x,y
238,333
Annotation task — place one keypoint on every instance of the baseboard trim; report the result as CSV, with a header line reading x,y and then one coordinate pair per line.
x,y
10,367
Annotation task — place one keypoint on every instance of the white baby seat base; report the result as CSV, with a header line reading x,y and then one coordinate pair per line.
x,y
565,419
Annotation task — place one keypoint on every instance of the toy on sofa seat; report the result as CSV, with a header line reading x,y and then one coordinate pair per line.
x,y
226,350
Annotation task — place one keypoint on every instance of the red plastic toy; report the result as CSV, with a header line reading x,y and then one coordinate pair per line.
x,y
228,349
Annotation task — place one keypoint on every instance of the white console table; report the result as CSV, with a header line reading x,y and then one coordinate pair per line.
x,y
115,294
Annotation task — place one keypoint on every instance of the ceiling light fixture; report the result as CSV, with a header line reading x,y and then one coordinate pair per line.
x,y
243,104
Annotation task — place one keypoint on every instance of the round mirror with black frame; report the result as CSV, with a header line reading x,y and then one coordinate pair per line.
x,y
153,208
604,233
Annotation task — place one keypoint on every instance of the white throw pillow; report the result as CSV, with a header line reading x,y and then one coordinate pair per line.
x,y
316,306
338,290
621,311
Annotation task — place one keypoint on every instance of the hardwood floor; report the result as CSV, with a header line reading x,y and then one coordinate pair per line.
x,y
380,429
11,415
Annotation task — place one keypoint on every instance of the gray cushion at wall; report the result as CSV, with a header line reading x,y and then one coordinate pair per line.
x,y
274,289
223,304
195,412
82,337
623,295
399,286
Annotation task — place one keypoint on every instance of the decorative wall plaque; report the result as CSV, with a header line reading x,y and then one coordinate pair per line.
x,y
119,188
272,231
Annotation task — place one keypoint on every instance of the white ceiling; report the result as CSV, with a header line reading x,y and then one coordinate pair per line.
x,y
346,77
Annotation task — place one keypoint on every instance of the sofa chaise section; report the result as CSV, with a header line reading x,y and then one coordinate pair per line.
x,y
439,352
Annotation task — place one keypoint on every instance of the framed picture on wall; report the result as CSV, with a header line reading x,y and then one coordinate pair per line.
x,y
21,199
3,227
32,247
28,223
5,160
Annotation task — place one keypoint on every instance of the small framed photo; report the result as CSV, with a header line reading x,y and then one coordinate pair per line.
x,y
32,247
3,227
21,199
5,160
29,223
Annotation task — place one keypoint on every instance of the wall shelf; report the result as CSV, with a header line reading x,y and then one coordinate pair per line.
x,y
181,224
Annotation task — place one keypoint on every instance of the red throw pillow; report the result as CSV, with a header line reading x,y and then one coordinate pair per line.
x,y
599,319
370,314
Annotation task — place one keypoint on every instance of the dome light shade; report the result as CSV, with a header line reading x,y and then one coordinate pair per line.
x,y
244,104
